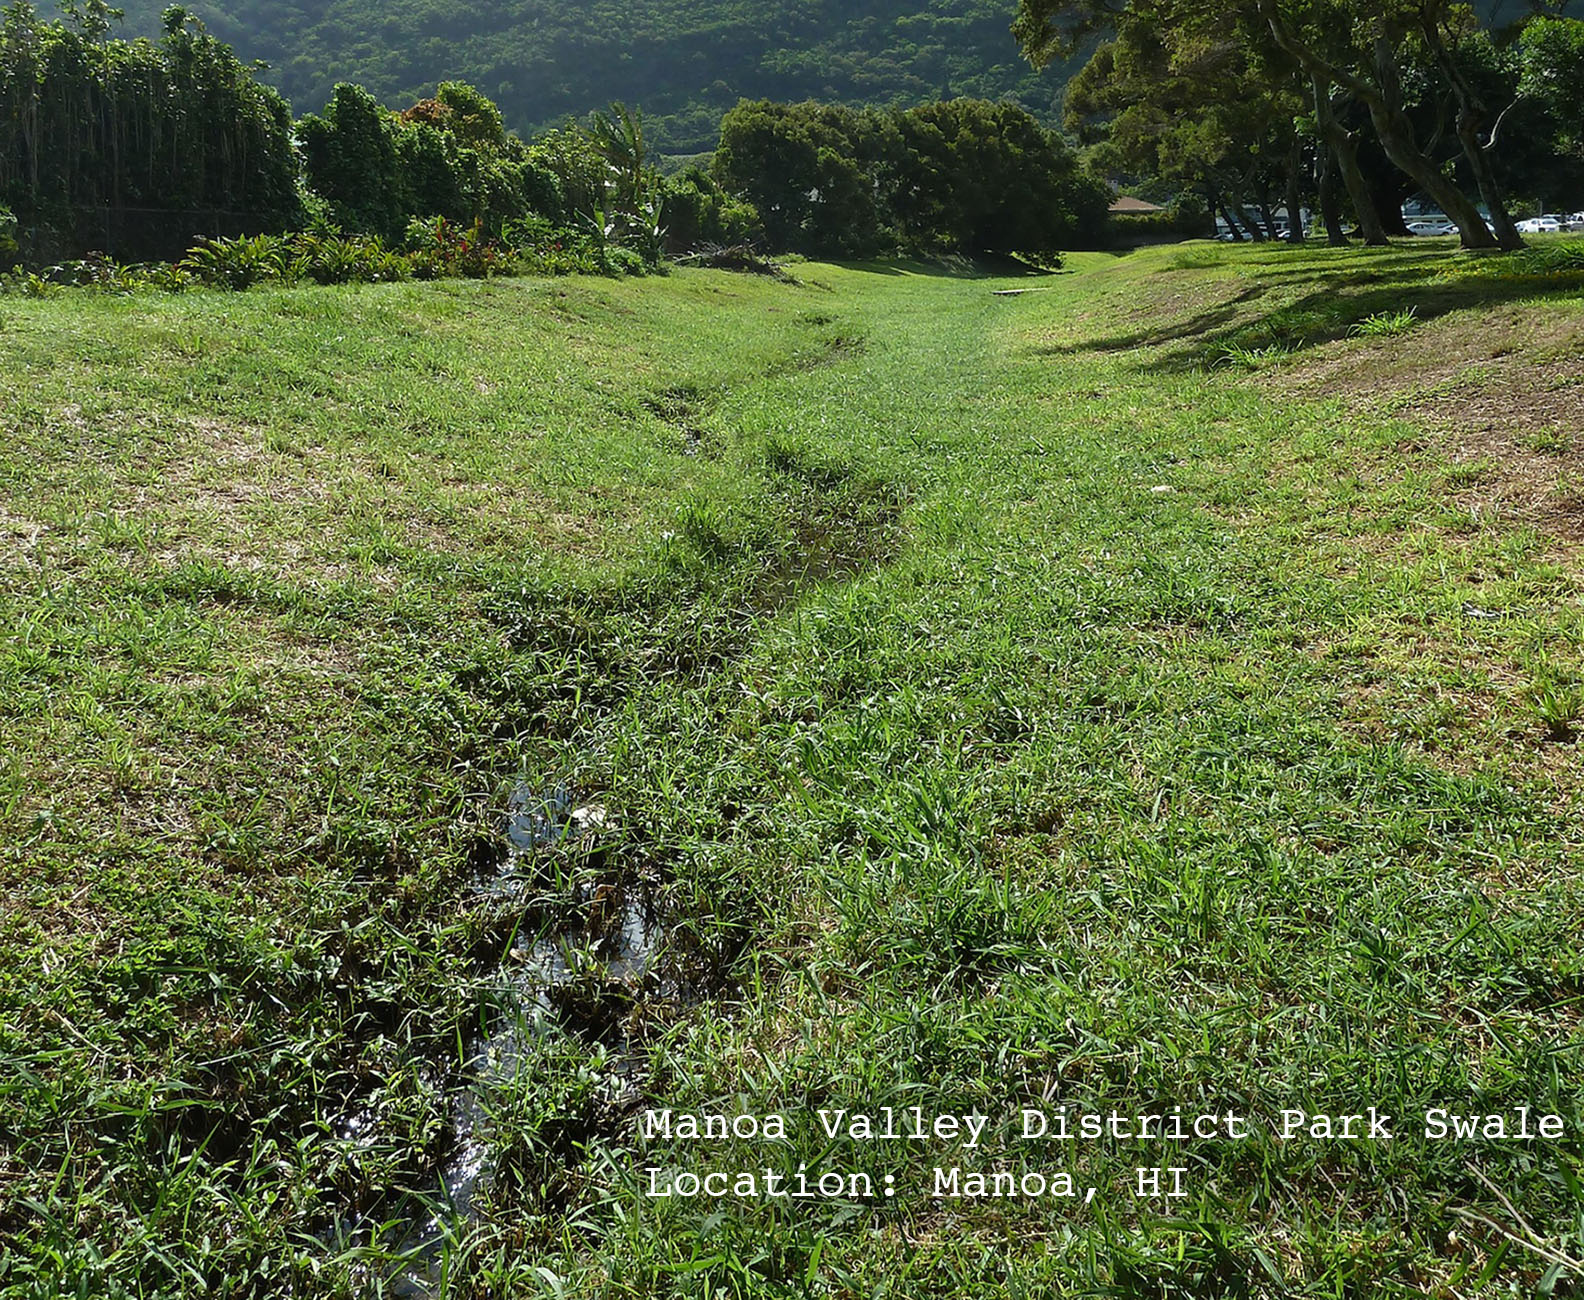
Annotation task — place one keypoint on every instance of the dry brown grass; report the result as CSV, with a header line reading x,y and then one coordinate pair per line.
x,y
1499,399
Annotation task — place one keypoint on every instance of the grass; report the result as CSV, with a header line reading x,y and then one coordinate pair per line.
x,y
1386,324
1253,358
967,769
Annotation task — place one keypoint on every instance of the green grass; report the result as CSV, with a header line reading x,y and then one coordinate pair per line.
x,y
1005,704
1386,324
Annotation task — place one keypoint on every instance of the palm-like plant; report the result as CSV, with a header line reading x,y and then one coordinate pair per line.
x,y
619,139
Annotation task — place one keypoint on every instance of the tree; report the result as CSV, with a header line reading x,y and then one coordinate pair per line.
x,y
980,177
455,159
619,139
472,118
1360,47
961,175
351,159
93,129
698,211
1549,58
816,173
1197,106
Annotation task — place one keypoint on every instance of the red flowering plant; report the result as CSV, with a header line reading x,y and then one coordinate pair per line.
x,y
440,248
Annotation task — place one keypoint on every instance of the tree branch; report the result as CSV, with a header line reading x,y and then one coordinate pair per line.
x,y
1310,58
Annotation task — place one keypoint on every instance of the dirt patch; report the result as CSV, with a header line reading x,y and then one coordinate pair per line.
x,y
19,539
1501,401
229,443
1450,350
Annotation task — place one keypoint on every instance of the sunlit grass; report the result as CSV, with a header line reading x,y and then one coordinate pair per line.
x,y
1004,702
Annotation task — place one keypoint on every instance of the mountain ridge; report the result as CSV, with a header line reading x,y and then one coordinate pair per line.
x,y
683,62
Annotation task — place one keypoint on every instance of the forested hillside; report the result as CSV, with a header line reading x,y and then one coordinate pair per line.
x,y
684,61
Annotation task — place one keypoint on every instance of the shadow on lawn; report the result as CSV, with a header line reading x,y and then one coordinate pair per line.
x,y
1288,307
955,266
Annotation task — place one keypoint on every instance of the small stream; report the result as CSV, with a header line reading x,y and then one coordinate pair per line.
x,y
616,944
603,959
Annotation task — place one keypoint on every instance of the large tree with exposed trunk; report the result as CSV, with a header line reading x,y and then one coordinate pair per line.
x,y
1358,47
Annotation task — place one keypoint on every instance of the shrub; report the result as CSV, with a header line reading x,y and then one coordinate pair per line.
x,y
238,263
440,248
625,261
1566,258
98,273
1386,324
166,276
527,233
697,212
342,259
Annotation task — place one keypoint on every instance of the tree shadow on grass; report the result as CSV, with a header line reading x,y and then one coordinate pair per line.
x,y
982,266
1291,308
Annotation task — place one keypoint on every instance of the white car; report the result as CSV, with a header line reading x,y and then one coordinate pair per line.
x,y
1431,228
1547,225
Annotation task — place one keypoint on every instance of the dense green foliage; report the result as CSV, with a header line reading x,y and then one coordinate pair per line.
x,y
181,131
697,210
960,175
1303,98
685,61
135,149
433,249
448,156
88,124
1549,58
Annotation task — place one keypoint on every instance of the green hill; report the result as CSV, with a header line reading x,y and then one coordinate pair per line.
x,y
683,61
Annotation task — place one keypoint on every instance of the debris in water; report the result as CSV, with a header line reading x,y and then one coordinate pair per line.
x,y
538,820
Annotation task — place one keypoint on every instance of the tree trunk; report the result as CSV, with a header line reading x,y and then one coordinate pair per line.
x,y
1251,226
1232,226
1396,136
1396,133
1468,129
1344,150
1293,199
1470,121
1389,188
1383,97
1330,206
1267,214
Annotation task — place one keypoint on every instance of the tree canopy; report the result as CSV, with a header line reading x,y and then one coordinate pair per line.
x,y
1220,92
961,175
89,123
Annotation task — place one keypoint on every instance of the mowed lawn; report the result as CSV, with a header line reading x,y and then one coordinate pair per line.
x,y
1162,687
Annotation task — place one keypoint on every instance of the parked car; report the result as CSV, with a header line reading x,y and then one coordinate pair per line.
x,y
1546,225
1431,227
1575,221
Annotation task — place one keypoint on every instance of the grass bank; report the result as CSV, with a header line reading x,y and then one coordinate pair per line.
x,y
1148,691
